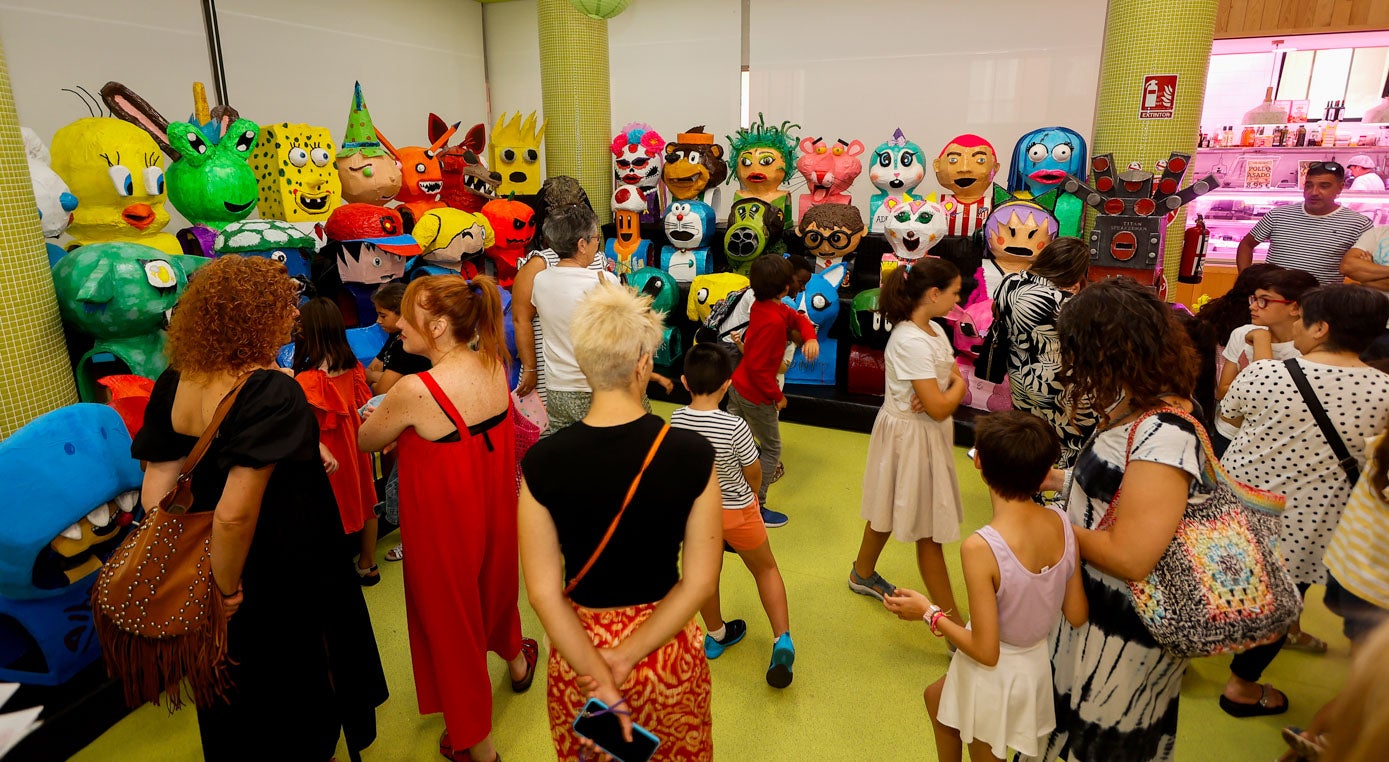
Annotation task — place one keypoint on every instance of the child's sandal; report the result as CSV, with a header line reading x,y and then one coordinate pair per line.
x,y
369,576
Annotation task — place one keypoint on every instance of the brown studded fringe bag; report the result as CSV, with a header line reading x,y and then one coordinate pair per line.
x,y
158,613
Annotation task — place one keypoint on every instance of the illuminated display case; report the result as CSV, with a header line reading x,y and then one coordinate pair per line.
x,y
1232,210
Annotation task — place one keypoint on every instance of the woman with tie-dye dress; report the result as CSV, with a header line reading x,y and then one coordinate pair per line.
x,y
1116,688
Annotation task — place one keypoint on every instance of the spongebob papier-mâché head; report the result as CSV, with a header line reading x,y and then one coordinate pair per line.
x,y
515,150
298,175
118,172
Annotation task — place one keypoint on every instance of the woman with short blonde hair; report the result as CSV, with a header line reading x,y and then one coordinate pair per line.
x,y
639,549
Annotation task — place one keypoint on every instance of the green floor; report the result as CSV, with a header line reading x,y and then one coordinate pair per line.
x,y
859,670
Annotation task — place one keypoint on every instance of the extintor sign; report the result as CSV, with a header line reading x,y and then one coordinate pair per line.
x,y
1158,98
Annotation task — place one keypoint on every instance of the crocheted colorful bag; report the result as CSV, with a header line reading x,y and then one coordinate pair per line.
x,y
1221,586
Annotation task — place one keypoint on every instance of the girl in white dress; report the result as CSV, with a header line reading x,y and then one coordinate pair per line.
x,y
909,487
1022,574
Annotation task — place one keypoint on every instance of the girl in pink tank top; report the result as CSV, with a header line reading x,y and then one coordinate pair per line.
x,y
1022,574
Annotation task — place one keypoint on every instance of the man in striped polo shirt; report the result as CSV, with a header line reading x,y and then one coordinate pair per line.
x,y
1313,236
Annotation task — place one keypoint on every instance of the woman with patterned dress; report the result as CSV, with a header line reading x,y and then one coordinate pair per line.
x,y
625,633
1116,688
1026,306
453,425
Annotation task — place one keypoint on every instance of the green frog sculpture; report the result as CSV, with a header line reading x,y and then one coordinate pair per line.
x,y
119,294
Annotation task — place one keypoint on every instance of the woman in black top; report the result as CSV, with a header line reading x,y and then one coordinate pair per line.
x,y
626,634
304,663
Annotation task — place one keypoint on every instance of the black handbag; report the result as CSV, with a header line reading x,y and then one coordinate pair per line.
x,y
992,363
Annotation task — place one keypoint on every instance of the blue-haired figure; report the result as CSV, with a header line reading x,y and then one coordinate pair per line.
x,y
1041,160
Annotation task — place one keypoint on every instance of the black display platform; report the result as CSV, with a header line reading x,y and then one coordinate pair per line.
x,y
74,715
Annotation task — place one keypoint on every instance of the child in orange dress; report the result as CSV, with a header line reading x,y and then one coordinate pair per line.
x,y
336,386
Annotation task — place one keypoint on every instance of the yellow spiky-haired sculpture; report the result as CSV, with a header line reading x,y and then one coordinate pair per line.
x,y
515,153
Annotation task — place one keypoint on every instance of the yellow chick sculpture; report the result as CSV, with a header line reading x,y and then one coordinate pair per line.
x,y
118,172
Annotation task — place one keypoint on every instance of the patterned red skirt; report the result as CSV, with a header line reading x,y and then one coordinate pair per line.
x,y
668,691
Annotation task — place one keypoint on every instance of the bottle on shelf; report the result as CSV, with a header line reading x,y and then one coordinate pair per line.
x,y
1247,136
1301,137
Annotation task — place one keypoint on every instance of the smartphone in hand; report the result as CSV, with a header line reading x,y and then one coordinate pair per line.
x,y
605,730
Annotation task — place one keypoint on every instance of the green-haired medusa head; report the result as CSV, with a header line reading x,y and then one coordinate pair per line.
x,y
760,156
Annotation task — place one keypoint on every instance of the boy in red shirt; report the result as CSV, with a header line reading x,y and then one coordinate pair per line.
x,y
755,396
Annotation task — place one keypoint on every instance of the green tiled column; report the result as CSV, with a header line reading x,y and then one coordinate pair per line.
x,y
1144,37
35,375
575,89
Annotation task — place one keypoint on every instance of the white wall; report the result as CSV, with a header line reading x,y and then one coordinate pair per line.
x,y
53,44
296,60
669,68
935,69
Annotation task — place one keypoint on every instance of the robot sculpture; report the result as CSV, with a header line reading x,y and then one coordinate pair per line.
x,y
1134,208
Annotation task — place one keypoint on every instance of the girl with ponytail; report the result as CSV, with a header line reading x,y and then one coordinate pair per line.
x,y
909,487
457,444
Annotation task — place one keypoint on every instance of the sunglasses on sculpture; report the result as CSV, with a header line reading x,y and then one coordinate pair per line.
x,y
1262,302
837,240
637,163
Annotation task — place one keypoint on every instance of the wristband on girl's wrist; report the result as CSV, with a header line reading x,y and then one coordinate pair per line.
x,y
935,618
930,617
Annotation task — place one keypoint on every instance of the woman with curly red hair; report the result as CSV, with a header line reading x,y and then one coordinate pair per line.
x,y
1124,353
303,656
457,473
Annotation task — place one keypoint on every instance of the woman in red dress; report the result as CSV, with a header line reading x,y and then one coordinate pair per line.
x,y
336,386
457,475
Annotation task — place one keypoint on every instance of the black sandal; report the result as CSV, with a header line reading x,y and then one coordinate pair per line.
x,y
368,577
1261,708
531,650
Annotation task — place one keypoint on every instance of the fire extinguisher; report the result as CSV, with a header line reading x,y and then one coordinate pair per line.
x,y
1194,252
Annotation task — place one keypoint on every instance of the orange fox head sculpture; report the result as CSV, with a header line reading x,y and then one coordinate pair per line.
x,y
421,173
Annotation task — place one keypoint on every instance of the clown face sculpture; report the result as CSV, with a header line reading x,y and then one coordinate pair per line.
x,y
74,493
118,293
118,172
965,168
637,162
693,163
368,172
829,170
913,227
761,155
831,232
516,154
451,241
689,227
626,251
896,169
754,229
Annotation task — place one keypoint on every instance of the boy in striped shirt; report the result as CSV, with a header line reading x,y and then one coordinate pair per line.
x,y
708,373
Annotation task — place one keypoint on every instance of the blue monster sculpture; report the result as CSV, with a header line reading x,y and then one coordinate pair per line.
x,y
1041,160
689,227
73,493
819,301
272,239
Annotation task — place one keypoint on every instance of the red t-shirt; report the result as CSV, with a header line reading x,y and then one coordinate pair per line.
x,y
764,345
